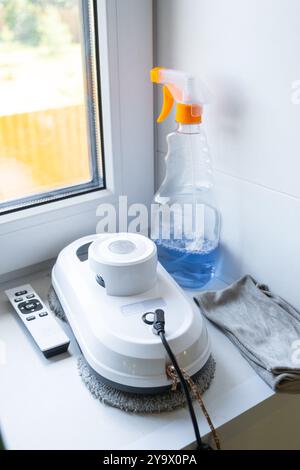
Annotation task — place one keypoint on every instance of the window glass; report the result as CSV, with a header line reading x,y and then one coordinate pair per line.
x,y
50,139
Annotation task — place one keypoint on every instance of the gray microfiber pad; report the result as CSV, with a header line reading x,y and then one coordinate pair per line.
x,y
133,402
263,326
136,403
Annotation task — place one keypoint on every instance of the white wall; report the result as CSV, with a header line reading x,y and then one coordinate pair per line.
x,y
248,52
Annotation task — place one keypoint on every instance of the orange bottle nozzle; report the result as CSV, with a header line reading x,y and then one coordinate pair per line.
x,y
155,75
179,87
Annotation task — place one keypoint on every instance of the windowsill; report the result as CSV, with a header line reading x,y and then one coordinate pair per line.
x,y
77,202
49,228
45,405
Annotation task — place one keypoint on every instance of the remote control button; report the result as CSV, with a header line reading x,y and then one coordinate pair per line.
x,y
43,314
22,292
29,296
19,299
31,317
30,306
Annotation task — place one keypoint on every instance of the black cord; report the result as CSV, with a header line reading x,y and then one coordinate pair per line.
x,y
159,329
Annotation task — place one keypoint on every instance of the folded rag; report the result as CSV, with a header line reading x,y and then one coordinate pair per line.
x,y
264,327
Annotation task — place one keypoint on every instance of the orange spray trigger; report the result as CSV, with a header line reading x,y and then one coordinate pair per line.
x,y
189,93
168,102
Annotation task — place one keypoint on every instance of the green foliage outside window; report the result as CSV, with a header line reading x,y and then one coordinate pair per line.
x,y
35,22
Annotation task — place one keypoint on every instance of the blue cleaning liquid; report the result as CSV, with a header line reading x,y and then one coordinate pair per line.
x,y
191,269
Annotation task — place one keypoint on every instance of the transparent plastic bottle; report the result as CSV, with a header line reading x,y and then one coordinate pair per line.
x,y
191,252
188,227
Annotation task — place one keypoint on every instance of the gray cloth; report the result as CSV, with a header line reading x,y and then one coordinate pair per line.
x,y
264,327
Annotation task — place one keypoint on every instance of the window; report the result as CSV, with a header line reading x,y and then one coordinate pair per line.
x,y
122,32
50,133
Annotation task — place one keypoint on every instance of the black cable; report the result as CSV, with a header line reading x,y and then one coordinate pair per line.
x,y
159,329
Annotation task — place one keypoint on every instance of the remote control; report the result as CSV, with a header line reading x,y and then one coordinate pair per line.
x,y
44,329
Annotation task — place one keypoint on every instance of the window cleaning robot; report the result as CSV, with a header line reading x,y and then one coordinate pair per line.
x,y
115,295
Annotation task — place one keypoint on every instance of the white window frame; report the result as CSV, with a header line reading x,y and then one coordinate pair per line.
x,y
36,234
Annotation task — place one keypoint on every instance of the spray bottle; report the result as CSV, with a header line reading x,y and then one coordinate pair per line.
x,y
187,228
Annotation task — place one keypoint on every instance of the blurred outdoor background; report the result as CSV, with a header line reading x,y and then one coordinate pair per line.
x,y
43,127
